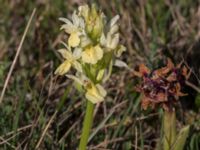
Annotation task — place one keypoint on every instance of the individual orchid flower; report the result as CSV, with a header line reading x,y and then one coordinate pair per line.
x,y
70,60
94,92
74,28
92,54
111,40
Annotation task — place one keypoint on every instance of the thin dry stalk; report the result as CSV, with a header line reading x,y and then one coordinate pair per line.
x,y
5,141
136,138
16,56
193,86
68,131
18,130
45,129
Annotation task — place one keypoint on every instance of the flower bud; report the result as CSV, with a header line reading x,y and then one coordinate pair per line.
x,y
100,74
94,21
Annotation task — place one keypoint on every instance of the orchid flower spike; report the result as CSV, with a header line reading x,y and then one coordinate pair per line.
x,y
90,50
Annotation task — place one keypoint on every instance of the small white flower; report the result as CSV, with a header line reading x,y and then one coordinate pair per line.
x,y
114,41
111,40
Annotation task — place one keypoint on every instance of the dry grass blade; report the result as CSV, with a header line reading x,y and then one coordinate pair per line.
x,y
193,86
18,130
120,139
105,120
68,131
16,56
5,141
45,129
136,138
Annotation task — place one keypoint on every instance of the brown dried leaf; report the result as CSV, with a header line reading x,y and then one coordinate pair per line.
x,y
145,102
164,70
172,77
143,69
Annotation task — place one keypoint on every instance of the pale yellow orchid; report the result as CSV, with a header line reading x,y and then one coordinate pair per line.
x,y
84,11
92,54
74,28
70,60
94,20
111,40
63,68
94,92
91,49
90,41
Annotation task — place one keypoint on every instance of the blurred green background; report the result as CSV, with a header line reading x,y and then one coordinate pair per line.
x,y
35,99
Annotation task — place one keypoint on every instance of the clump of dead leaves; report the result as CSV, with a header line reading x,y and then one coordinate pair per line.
x,y
162,87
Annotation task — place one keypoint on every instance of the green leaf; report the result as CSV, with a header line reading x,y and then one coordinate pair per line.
x,y
169,127
181,138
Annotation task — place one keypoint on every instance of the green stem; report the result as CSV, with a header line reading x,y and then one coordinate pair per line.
x,y
169,121
87,124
